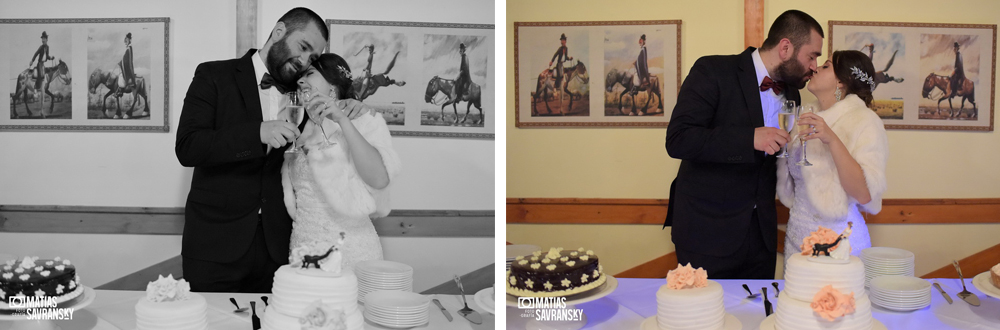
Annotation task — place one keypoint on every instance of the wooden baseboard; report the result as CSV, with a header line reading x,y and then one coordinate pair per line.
x,y
971,266
472,282
654,211
170,221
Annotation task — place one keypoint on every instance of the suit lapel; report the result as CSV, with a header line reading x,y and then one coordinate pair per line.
x,y
246,81
751,91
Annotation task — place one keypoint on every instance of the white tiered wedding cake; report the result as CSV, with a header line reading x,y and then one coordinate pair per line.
x,y
169,305
690,300
823,291
325,297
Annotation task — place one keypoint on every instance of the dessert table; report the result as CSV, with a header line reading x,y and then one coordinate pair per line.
x,y
115,310
635,300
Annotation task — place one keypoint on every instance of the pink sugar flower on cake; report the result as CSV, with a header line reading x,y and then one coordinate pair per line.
x,y
831,304
822,236
687,277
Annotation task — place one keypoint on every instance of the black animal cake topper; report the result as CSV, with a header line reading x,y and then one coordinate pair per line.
x,y
824,248
314,260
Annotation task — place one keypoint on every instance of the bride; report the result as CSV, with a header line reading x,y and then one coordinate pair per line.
x,y
848,148
340,180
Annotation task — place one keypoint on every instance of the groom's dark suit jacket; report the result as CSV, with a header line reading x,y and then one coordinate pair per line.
x,y
721,177
234,176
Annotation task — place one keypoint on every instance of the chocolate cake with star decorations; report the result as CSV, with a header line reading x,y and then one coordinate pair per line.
x,y
554,274
33,277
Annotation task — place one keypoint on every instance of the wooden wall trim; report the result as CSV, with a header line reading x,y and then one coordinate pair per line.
x,y
971,266
170,221
653,211
246,26
753,23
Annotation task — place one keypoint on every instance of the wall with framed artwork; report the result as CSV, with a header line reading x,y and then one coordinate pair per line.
x,y
133,169
631,163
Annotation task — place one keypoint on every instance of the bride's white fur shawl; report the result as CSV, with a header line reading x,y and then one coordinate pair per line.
x,y
863,134
333,169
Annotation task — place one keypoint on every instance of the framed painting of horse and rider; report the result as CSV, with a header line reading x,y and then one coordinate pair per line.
x,y
929,76
94,74
614,73
426,79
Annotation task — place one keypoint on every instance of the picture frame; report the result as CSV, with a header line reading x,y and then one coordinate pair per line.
x,y
915,70
99,74
601,73
408,72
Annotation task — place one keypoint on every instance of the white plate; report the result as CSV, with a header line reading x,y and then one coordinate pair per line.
x,y
513,251
886,253
900,283
383,267
982,282
482,298
768,324
731,323
397,299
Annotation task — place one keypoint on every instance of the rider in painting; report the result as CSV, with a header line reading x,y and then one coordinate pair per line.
x,y
464,78
642,65
43,55
128,67
561,55
958,77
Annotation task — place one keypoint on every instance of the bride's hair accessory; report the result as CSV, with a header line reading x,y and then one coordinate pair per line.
x,y
864,77
344,72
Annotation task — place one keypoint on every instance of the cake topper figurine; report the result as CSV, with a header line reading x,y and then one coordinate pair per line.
x,y
843,251
319,256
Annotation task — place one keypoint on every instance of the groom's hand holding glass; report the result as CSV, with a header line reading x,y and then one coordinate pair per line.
x,y
277,133
769,139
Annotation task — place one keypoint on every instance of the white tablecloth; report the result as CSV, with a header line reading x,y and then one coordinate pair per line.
x,y
635,299
115,310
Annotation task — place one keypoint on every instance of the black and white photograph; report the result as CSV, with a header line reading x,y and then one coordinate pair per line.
x,y
378,53
118,67
40,82
453,64
86,74
426,79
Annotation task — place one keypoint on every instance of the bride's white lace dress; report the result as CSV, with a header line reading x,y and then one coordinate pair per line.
x,y
325,195
814,193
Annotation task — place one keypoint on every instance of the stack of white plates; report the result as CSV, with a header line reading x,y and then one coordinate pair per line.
x,y
900,293
886,261
397,309
513,251
374,275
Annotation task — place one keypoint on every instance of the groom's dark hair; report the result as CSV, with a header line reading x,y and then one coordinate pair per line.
x,y
298,18
794,25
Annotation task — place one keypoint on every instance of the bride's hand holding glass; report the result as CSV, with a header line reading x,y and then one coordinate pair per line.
x,y
325,107
814,127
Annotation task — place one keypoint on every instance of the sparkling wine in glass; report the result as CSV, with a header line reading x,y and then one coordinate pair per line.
x,y
296,108
786,115
804,110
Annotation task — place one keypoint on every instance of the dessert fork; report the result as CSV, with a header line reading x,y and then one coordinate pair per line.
x,y
238,309
752,295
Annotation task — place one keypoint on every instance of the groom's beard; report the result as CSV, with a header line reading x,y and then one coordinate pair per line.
x,y
792,73
284,68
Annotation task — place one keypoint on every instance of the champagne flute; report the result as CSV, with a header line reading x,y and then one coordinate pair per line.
x,y
785,118
296,108
804,110
319,121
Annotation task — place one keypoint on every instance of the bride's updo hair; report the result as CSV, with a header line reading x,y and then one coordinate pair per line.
x,y
336,72
855,70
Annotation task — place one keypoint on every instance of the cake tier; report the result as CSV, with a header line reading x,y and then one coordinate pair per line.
x,y
188,314
274,320
995,276
295,289
803,278
793,314
538,276
48,278
699,308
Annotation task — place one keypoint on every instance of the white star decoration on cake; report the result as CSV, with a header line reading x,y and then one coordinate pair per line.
x,y
8,275
24,277
584,258
596,273
49,263
45,273
60,268
59,289
513,280
584,278
529,283
550,267
570,263
72,284
547,285
522,262
39,293
535,266
566,282
546,260
3,295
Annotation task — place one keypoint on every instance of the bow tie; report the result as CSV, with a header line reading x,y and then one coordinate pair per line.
x,y
775,86
267,82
